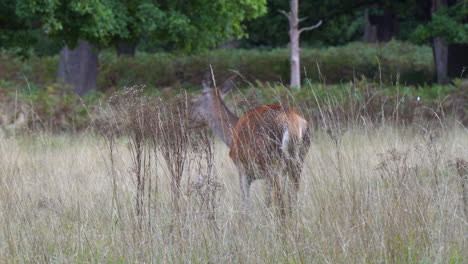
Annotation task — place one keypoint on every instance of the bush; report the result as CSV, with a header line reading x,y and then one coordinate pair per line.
x,y
388,62
384,62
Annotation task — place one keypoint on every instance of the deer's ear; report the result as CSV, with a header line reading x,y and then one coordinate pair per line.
x,y
227,85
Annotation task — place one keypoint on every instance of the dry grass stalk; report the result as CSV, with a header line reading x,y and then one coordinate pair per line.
x,y
130,115
174,142
385,211
206,186
160,131
371,193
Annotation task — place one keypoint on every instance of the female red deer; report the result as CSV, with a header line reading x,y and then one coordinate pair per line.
x,y
264,142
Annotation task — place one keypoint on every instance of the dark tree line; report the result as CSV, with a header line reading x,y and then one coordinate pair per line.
x,y
83,28
439,23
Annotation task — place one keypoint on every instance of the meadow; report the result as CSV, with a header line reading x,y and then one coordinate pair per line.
x,y
105,156
128,177
371,192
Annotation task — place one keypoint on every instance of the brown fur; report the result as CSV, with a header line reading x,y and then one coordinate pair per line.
x,y
258,142
258,135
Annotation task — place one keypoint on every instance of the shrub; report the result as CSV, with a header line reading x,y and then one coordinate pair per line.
x,y
388,62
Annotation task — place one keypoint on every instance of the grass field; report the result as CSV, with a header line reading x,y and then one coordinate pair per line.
x,y
375,194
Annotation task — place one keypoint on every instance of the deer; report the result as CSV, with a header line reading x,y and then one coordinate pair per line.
x,y
264,142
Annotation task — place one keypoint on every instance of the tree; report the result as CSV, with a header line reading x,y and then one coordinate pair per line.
x,y
78,67
441,23
83,26
440,48
86,26
419,21
15,32
344,23
446,28
383,17
379,28
294,36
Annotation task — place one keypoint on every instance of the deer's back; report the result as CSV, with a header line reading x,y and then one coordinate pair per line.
x,y
259,136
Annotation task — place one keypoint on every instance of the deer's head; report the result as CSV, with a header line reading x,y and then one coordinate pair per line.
x,y
211,100
209,107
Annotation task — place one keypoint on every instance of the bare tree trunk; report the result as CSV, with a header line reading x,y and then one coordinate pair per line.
x,y
294,37
79,67
294,49
440,49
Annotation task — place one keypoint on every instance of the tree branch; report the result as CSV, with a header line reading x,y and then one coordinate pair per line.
x,y
302,19
286,14
311,27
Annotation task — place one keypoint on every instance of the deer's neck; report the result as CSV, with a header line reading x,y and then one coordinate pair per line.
x,y
223,121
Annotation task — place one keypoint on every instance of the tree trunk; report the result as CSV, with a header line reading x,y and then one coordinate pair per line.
x,y
294,36
370,30
79,67
440,49
294,49
126,49
457,60
387,27
379,28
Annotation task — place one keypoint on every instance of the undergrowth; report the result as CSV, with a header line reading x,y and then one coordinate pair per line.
x,y
153,186
376,62
57,109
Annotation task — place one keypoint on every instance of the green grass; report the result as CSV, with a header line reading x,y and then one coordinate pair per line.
x,y
56,108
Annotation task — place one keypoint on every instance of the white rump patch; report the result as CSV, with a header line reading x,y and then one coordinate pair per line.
x,y
285,141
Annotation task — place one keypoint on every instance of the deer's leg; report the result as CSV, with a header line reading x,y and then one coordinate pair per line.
x,y
278,192
268,173
245,187
294,167
268,187
293,172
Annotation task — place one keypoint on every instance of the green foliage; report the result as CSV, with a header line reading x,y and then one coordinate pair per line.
x,y
96,21
52,106
196,25
14,31
342,94
349,72
165,74
343,22
457,256
449,23
45,46
391,62
186,25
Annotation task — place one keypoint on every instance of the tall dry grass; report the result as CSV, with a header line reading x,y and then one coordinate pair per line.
x,y
151,189
385,194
